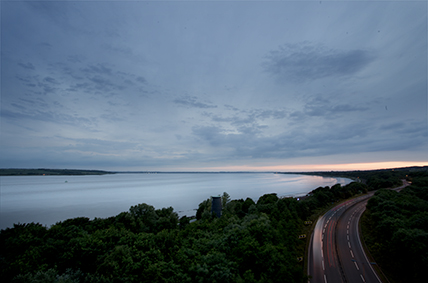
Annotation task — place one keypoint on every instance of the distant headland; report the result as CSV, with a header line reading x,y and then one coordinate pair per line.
x,y
44,171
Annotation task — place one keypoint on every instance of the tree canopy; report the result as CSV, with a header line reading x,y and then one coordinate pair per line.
x,y
396,225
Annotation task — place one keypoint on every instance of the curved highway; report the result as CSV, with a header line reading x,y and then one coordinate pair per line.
x,y
335,251
355,265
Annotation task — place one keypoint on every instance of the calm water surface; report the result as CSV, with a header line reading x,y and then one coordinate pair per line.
x,y
49,199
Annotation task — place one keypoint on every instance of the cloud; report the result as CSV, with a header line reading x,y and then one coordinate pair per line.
x,y
225,145
102,83
64,74
409,128
230,107
74,58
326,108
124,50
44,116
233,120
99,79
26,79
141,80
212,134
266,114
97,146
323,107
28,66
191,101
50,80
308,61
46,86
18,106
248,117
61,14
81,76
99,69
46,44
328,138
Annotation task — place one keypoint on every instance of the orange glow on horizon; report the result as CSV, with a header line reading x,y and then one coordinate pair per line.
x,y
318,167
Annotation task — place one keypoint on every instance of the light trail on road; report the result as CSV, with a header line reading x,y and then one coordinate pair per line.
x,y
335,250
335,234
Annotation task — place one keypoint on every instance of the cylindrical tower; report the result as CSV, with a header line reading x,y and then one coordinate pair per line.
x,y
216,205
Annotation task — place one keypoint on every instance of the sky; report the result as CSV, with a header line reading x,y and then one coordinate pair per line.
x,y
213,85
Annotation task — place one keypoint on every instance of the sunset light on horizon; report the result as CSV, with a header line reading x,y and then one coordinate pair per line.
x,y
312,167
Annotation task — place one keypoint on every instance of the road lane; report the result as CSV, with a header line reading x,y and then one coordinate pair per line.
x,y
317,262
332,271
335,251
324,263
356,266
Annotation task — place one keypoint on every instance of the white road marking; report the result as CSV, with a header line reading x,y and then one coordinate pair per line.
x,y
328,220
347,232
322,253
352,254
325,279
349,244
323,265
347,227
347,237
362,278
355,265
323,231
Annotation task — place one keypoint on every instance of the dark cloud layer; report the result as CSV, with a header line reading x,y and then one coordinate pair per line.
x,y
191,101
185,85
326,108
28,66
308,61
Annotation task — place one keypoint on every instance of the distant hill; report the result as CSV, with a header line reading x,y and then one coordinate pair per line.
x,y
43,171
359,172
367,174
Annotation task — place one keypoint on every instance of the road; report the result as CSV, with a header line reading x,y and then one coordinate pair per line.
x,y
335,251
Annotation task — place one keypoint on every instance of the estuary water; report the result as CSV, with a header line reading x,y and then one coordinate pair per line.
x,y
49,199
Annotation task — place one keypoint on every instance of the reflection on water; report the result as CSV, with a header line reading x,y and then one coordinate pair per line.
x,y
49,199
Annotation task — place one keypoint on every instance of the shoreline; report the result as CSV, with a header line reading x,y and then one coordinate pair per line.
x,y
47,199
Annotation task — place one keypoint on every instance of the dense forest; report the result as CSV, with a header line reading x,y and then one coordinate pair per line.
x,y
253,241
395,226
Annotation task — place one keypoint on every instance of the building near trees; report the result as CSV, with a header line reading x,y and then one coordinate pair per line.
x,y
216,205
